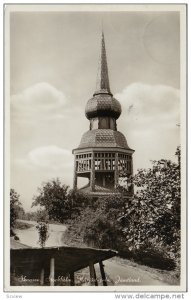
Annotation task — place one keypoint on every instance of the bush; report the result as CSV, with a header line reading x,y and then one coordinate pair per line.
x,y
107,234
43,229
22,225
154,258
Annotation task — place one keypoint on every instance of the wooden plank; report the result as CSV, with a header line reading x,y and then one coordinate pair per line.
x,y
72,279
92,173
93,279
116,179
52,271
42,276
104,280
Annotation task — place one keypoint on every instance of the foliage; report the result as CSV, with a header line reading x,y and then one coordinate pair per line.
x,y
77,201
22,225
20,212
43,229
41,215
53,198
153,256
99,225
146,226
153,214
58,203
15,207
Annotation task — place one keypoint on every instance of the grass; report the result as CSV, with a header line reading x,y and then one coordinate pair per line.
x,y
170,277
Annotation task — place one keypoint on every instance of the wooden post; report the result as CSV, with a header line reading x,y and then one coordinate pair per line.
x,y
132,186
52,270
116,170
103,179
13,272
92,175
42,276
93,279
72,279
131,171
13,277
75,183
104,280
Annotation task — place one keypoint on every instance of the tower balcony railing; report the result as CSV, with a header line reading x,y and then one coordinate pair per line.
x,y
103,165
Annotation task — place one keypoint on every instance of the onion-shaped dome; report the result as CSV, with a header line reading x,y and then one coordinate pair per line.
x,y
103,138
103,105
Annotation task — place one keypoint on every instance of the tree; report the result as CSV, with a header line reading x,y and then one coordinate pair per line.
x,y
41,215
101,226
53,197
153,213
15,207
59,203
20,212
77,201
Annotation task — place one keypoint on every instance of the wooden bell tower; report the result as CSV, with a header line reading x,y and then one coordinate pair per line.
x,y
103,153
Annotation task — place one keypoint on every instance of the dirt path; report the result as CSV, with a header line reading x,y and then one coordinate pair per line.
x,y
122,274
30,236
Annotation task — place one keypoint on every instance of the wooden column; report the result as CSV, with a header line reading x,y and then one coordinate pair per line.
x,y
72,279
116,170
104,280
132,186
13,276
75,174
42,276
52,271
131,165
92,175
103,179
13,272
93,279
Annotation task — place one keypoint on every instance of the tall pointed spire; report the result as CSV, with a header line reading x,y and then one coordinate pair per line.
x,y
102,85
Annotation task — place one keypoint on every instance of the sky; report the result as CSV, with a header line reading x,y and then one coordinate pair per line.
x,y
53,67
